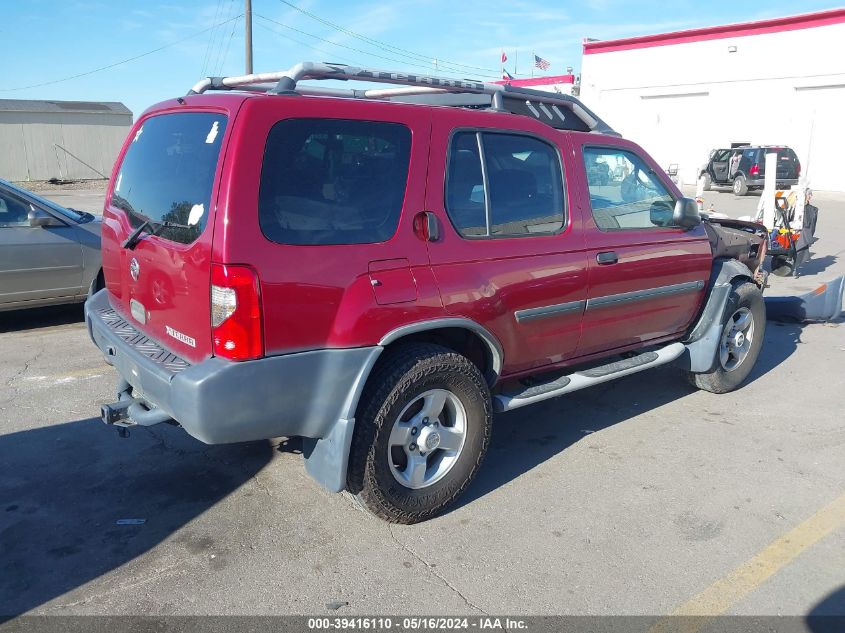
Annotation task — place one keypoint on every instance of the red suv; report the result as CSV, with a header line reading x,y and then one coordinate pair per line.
x,y
377,271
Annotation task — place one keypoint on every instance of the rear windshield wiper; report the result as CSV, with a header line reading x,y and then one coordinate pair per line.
x,y
152,228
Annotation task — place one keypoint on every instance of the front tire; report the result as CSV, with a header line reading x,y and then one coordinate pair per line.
x,y
740,342
422,430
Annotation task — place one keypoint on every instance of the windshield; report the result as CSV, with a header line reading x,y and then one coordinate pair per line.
x,y
168,172
73,214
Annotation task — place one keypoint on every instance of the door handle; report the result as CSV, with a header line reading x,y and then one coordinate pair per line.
x,y
426,226
607,257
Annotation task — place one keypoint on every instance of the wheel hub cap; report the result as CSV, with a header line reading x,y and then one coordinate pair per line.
x,y
736,339
427,438
430,438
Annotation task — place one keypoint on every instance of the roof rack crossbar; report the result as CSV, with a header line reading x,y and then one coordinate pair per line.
x,y
287,82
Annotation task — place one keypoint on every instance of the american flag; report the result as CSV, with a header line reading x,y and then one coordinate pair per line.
x,y
541,63
504,57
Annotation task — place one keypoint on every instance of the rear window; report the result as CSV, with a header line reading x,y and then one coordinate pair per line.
x,y
168,172
333,181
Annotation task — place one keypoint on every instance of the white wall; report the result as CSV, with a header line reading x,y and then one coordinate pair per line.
x,y
679,101
28,140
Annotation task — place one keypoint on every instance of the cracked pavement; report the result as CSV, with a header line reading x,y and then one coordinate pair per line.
x,y
628,498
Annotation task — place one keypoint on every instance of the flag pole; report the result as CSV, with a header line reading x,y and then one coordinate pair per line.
x,y
515,55
533,61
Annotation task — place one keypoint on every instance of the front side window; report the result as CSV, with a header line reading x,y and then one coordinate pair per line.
x,y
624,191
168,172
333,181
13,211
503,185
28,198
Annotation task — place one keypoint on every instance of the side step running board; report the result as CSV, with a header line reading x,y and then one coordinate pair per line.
x,y
586,378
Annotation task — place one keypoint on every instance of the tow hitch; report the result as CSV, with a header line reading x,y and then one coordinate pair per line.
x,y
117,413
131,411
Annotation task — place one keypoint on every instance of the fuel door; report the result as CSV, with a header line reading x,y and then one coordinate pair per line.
x,y
392,281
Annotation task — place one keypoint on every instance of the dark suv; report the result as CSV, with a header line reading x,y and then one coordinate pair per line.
x,y
380,277
744,168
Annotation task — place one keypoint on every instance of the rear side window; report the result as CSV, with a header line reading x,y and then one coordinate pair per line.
x,y
749,157
168,172
333,181
503,185
624,191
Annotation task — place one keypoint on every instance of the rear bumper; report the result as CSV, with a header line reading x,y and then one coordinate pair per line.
x,y
780,184
219,401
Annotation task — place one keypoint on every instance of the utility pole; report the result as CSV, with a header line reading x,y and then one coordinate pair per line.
x,y
248,35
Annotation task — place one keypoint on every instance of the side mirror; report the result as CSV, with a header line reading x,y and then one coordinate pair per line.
x,y
37,217
686,214
662,214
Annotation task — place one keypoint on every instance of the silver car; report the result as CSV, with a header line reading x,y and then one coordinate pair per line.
x,y
48,254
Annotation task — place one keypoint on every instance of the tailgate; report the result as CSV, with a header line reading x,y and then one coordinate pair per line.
x,y
168,173
787,164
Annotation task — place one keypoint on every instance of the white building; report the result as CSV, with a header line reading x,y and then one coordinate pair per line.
x,y
772,82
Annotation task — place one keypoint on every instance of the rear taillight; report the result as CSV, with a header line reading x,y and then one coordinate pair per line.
x,y
755,170
236,313
797,169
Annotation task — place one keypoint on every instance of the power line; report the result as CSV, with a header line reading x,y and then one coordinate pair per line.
x,y
229,14
351,48
228,44
206,57
321,39
323,51
121,62
395,50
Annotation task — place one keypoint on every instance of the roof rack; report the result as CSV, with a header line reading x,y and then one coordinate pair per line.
x,y
557,110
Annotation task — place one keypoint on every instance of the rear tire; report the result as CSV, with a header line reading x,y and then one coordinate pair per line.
x,y
743,329
740,186
708,182
419,396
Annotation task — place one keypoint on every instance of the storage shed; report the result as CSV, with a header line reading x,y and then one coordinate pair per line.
x,y
60,139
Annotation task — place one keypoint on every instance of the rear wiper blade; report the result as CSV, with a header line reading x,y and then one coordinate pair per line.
x,y
152,228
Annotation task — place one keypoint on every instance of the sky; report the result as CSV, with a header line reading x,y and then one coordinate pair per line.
x,y
42,41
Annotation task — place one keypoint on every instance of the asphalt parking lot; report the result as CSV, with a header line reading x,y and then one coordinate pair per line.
x,y
640,497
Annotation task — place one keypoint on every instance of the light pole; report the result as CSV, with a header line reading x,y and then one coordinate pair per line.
x,y
248,35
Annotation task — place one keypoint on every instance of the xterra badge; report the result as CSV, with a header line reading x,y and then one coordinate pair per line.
x,y
187,340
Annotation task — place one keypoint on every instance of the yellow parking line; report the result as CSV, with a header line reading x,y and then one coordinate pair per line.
x,y
728,591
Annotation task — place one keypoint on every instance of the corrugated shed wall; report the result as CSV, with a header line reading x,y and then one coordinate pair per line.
x,y
28,144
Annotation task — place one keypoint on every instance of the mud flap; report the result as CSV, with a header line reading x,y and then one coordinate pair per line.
x,y
700,353
326,459
701,344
